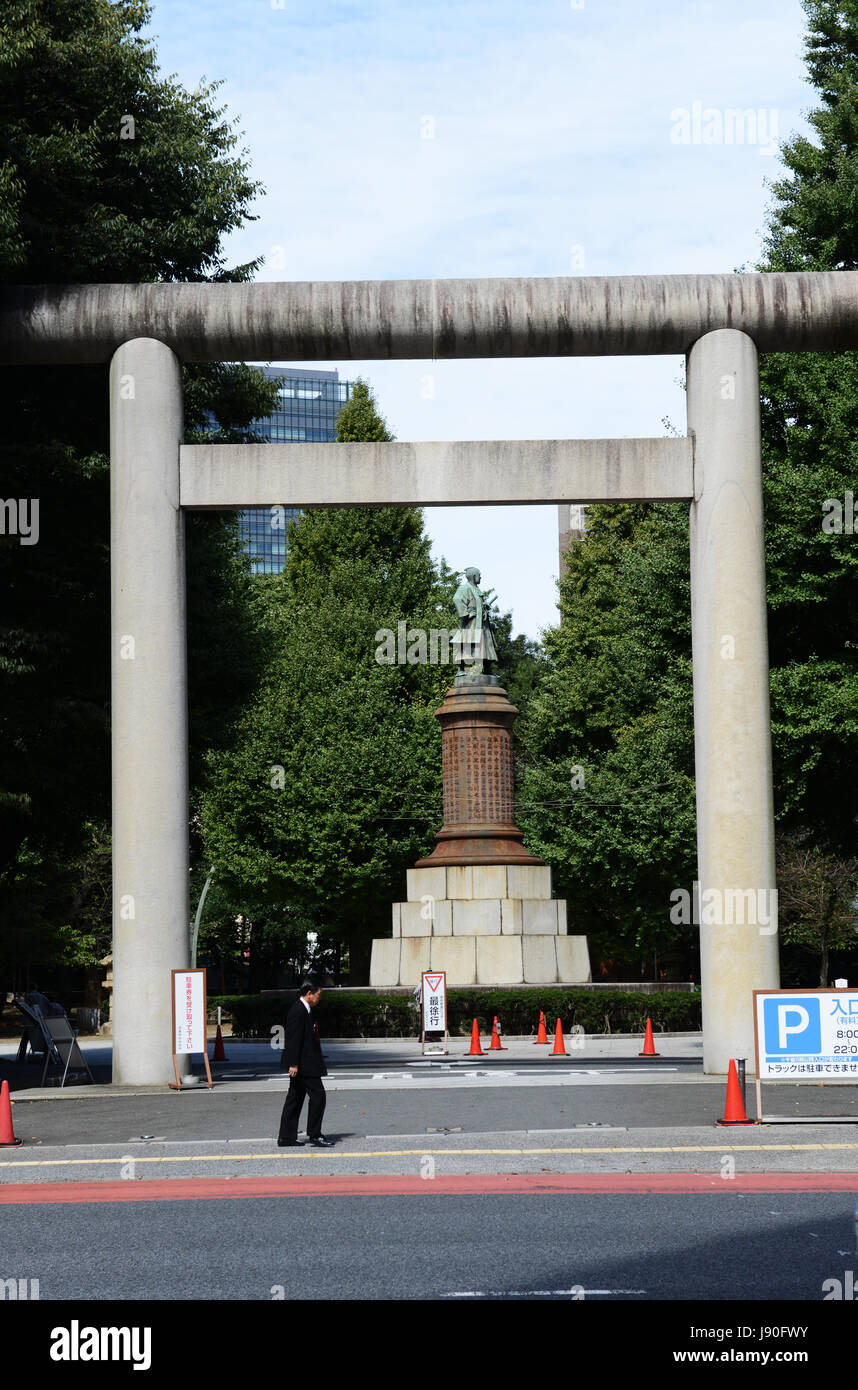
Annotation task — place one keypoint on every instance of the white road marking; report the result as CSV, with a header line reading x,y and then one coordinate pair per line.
x,y
422,1137
576,1129
577,1292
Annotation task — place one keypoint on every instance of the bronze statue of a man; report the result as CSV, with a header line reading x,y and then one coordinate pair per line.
x,y
474,643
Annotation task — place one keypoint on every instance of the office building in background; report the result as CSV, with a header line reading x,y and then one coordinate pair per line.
x,y
307,409
571,522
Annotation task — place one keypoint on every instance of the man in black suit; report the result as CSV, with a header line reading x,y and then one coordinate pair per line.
x,y
303,1056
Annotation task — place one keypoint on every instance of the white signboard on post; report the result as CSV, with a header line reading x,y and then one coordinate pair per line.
x,y
807,1034
434,1004
189,1017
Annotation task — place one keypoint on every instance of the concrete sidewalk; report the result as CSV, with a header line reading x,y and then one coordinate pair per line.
x,y
600,1109
721,1154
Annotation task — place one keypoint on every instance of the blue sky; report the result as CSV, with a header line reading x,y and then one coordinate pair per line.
x,y
411,140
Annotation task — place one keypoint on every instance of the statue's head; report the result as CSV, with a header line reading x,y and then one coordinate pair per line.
x,y
473,575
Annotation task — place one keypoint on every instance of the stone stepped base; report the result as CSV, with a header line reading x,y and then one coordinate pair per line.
x,y
473,882
481,917
539,959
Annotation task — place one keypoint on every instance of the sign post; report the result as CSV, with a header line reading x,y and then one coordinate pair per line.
x,y
434,1009
189,1019
805,1035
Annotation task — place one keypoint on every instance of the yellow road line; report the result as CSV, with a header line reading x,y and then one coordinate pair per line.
x,y
410,1153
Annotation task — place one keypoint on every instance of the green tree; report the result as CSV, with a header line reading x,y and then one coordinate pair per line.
x,y
108,172
817,899
618,700
331,787
607,741
810,453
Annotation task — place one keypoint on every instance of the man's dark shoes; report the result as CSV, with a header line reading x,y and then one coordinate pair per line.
x,y
321,1142
288,1144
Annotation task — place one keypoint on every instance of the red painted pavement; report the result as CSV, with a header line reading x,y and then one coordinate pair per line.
x,y
476,1185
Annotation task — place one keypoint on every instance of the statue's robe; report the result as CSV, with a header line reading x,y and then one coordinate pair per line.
x,y
474,640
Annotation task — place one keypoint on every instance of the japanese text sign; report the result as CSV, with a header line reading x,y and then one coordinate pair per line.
x,y
189,1011
434,1001
806,1034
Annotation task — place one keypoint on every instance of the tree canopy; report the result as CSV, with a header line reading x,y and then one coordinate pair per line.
x,y
108,172
617,702
331,787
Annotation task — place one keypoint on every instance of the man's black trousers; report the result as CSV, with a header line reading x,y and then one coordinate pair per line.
x,y
299,1087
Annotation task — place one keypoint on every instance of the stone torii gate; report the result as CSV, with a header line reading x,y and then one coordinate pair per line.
x,y
719,321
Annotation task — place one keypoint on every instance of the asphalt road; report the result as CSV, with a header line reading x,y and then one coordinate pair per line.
x,y
454,1248
350,1062
504,1178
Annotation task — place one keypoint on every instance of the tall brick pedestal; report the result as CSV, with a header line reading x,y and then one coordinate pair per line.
x,y
480,905
479,795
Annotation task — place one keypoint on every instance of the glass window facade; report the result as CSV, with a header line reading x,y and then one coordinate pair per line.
x,y
308,406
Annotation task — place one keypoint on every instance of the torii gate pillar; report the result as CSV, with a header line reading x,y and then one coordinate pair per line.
x,y
149,708
732,736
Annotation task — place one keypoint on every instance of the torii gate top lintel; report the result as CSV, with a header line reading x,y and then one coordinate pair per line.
x,y
546,316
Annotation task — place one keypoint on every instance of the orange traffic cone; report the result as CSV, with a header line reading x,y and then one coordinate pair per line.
x,y
649,1046
476,1050
541,1036
559,1045
219,1054
734,1110
495,1044
7,1132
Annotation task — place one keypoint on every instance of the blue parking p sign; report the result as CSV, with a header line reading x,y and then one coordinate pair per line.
x,y
791,1026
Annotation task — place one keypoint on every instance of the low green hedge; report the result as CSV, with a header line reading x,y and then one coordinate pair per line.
x,y
344,1015
597,1011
